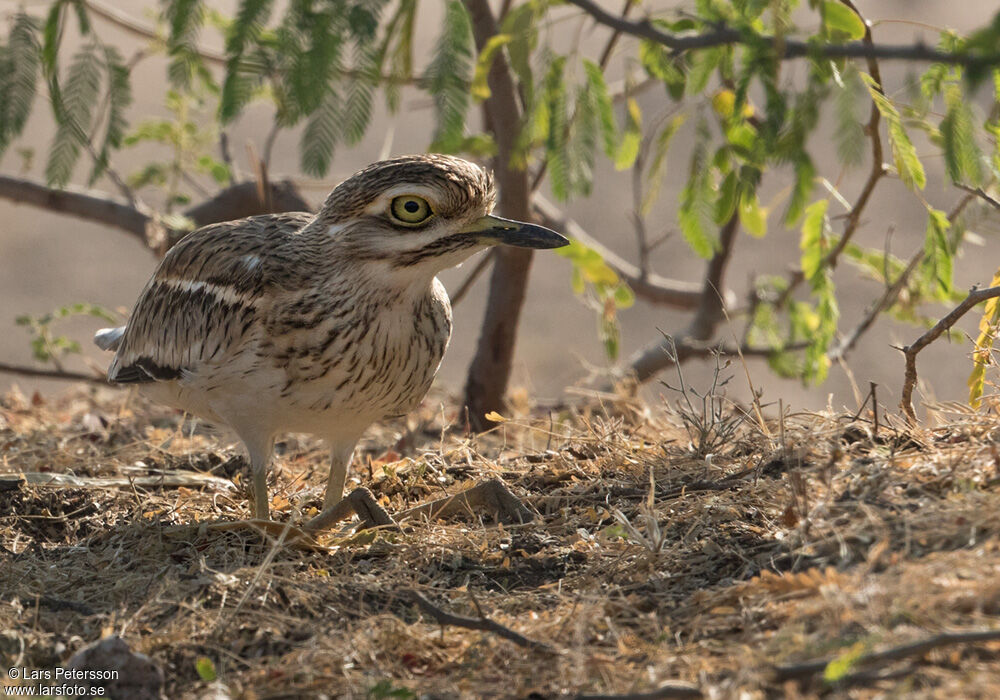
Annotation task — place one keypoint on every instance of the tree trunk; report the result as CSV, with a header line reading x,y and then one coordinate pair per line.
x,y
489,371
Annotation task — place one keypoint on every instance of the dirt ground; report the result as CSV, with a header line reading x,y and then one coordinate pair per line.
x,y
712,563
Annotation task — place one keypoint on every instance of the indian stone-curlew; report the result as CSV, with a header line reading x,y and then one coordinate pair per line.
x,y
317,324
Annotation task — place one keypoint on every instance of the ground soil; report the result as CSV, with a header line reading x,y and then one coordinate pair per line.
x,y
713,561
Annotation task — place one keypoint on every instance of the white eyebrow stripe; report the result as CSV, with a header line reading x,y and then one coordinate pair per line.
x,y
224,293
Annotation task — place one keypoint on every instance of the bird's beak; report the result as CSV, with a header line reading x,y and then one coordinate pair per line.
x,y
494,229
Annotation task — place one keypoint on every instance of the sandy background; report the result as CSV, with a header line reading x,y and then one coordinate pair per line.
x,y
48,260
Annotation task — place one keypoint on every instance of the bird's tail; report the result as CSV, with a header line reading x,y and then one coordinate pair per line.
x,y
109,338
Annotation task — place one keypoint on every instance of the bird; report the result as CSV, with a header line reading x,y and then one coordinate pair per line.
x,y
321,324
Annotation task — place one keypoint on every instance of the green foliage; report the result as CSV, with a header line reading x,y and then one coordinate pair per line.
x,y
817,325
50,348
19,68
937,264
962,156
695,213
982,355
449,75
386,689
205,668
601,288
74,111
119,97
319,64
844,663
849,108
908,165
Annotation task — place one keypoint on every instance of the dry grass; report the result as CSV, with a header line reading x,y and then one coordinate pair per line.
x,y
647,566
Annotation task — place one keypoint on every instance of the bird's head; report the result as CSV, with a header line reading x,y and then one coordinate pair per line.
x,y
424,213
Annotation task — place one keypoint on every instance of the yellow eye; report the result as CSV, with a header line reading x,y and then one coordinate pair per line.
x,y
410,209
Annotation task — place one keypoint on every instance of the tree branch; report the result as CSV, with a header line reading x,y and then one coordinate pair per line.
x,y
651,287
784,47
976,296
83,204
234,202
471,278
37,372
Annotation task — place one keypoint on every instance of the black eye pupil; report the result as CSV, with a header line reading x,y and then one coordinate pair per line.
x,y
412,207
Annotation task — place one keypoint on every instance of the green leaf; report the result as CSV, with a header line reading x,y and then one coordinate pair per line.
x,y
962,156
695,213
73,109
982,354
813,243
320,136
628,148
119,97
558,128
480,88
703,64
624,296
217,169
449,75
244,70
752,215
911,170
360,96
841,22
657,166
936,266
19,61
605,108
729,195
520,24
805,177
844,663
51,35
660,64
848,110
205,668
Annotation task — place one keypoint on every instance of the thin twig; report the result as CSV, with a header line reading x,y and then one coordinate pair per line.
x,y
652,287
881,658
785,48
52,374
467,283
976,296
887,299
483,624
979,192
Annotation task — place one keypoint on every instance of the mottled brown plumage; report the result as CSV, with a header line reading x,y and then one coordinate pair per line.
x,y
320,324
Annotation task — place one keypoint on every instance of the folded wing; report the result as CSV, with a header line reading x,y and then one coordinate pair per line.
x,y
204,298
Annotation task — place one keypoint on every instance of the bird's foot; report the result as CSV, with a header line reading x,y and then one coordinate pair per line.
x,y
360,502
493,494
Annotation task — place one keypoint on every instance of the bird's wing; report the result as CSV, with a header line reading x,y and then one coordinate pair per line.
x,y
204,297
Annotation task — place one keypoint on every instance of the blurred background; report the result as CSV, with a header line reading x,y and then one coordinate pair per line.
x,y
48,260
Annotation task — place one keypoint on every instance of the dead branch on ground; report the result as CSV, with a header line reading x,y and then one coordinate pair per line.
x,y
805,671
483,624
